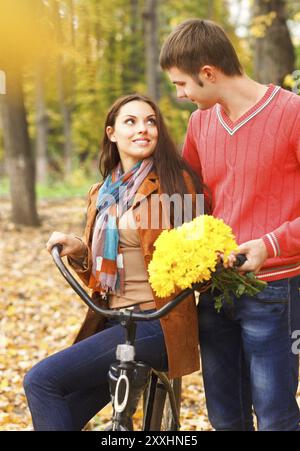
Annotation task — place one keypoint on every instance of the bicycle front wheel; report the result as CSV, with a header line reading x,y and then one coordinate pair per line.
x,y
162,404
169,422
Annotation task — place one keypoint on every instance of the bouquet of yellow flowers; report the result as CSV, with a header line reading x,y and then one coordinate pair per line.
x,y
189,254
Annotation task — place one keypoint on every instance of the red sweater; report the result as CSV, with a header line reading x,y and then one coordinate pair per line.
x,y
252,167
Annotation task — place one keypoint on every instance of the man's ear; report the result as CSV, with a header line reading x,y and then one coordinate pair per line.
x,y
208,73
110,133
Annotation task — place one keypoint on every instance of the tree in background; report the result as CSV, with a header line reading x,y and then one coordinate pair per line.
x,y
17,42
152,51
65,74
274,56
41,116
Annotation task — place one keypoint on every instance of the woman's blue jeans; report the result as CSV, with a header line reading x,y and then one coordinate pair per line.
x,y
247,359
65,390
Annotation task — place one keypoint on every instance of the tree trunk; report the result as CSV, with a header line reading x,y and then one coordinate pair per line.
x,y
66,116
41,126
133,47
64,101
19,158
273,53
152,51
211,10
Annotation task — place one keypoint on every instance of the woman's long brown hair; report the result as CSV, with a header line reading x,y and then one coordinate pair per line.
x,y
168,163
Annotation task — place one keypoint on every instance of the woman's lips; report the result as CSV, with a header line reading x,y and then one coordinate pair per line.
x,y
142,142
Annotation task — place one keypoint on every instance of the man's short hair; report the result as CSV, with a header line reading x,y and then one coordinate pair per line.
x,y
195,43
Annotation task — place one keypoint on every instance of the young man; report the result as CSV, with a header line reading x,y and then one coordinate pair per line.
x,y
244,140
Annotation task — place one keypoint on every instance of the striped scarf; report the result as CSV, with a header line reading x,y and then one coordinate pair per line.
x,y
115,197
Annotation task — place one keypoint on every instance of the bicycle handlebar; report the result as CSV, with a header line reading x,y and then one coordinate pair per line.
x,y
56,249
240,260
122,313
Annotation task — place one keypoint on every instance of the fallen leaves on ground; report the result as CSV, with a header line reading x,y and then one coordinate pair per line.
x,y
40,314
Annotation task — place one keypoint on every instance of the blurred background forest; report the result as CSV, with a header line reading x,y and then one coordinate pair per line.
x,y
62,64
66,61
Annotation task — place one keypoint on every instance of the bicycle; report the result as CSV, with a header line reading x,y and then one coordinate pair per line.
x,y
129,379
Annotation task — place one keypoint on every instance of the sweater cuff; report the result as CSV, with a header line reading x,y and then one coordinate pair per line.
x,y
271,244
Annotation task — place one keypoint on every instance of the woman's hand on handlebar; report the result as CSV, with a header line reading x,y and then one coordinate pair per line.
x,y
71,245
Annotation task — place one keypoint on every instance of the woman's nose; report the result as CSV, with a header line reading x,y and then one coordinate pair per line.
x,y
142,127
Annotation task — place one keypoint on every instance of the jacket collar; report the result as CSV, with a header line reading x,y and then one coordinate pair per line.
x,y
149,185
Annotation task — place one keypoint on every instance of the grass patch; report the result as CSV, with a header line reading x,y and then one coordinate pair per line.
x,y
55,190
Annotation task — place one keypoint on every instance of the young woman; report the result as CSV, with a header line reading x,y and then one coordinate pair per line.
x,y
138,162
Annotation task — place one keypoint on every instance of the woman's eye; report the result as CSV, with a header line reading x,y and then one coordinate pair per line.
x,y
151,121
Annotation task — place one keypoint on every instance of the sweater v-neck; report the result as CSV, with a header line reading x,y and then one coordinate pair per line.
x,y
233,126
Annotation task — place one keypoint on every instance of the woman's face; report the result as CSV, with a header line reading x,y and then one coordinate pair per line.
x,y
135,132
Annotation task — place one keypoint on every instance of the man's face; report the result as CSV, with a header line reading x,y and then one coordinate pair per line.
x,y
188,88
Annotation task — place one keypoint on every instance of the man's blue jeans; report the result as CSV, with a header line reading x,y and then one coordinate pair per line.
x,y
247,359
65,390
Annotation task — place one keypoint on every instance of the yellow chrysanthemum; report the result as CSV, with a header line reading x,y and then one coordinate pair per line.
x,y
189,254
